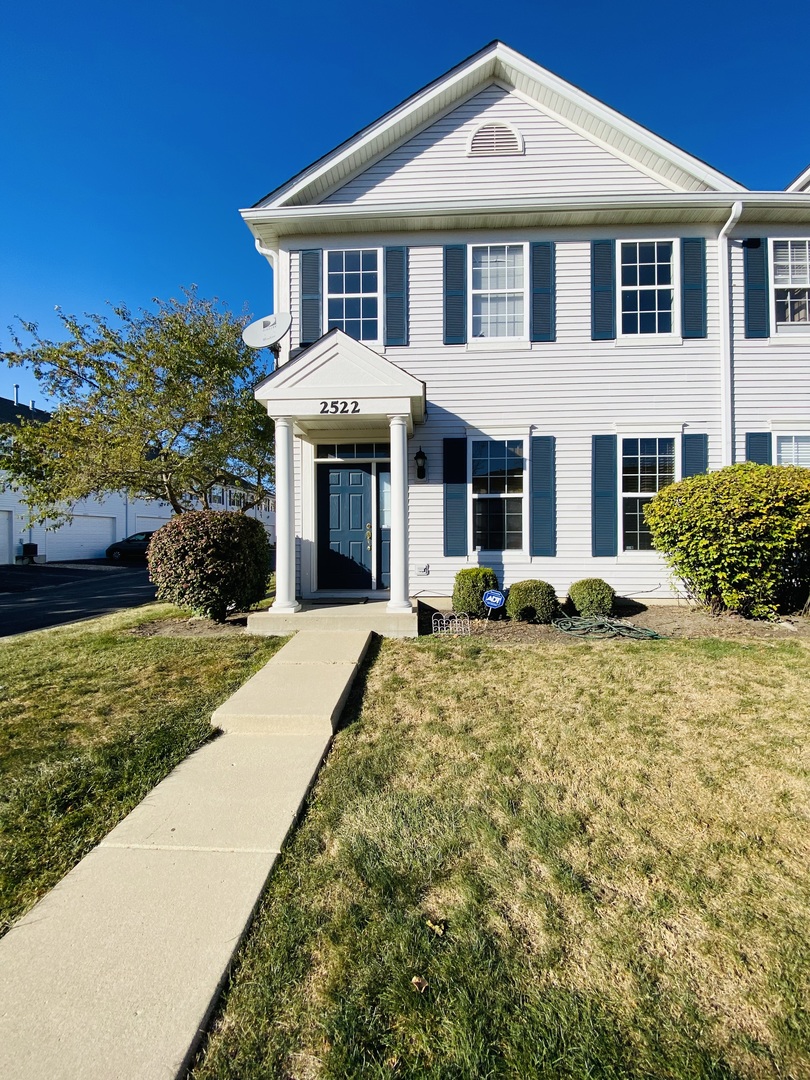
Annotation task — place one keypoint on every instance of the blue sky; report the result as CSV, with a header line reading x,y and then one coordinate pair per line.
x,y
132,134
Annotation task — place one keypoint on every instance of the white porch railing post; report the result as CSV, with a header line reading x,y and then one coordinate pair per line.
x,y
285,517
399,600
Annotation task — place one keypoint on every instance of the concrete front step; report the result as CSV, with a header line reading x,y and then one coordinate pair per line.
x,y
114,974
373,617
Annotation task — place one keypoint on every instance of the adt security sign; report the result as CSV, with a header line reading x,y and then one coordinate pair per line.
x,y
493,599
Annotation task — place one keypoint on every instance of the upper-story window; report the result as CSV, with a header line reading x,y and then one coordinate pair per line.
x,y
647,466
498,291
647,293
495,138
353,293
791,282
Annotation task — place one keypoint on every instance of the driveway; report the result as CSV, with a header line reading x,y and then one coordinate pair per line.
x,y
35,597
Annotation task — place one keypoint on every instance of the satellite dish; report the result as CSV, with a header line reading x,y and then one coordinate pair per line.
x,y
267,331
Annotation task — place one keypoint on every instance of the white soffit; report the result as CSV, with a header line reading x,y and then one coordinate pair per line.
x,y
498,63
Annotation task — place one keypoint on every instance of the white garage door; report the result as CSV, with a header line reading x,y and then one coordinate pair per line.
x,y
5,537
144,523
86,537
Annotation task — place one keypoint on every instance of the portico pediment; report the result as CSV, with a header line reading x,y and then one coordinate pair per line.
x,y
342,389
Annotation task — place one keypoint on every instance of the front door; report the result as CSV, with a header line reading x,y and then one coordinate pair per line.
x,y
345,529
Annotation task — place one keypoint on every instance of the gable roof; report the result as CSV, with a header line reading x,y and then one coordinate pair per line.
x,y
497,63
801,183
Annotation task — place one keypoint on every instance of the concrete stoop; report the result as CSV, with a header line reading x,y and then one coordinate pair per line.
x,y
371,617
114,974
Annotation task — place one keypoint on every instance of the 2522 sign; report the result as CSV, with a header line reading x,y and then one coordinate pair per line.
x,y
340,407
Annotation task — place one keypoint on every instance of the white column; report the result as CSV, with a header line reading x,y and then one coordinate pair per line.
x,y
399,515
285,517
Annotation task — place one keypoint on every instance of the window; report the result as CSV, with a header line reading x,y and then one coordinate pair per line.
x,y
236,499
647,295
793,450
352,293
498,290
791,282
647,466
216,497
497,492
495,139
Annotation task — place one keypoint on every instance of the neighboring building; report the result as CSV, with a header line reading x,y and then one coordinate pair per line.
x,y
96,523
559,309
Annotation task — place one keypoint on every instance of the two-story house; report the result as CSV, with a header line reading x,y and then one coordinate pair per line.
x,y
516,314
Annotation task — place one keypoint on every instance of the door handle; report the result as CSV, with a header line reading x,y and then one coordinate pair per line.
x,y
368,536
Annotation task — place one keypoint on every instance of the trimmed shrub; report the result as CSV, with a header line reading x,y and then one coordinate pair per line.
x,y
531,601
592,597
470,586
209,560
739,538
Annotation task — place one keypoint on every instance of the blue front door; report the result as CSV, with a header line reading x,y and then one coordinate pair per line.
x,y
344,526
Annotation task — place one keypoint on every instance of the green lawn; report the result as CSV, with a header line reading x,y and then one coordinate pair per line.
x,y
92,716
582,860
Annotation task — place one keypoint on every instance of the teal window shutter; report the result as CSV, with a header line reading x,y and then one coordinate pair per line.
x,y
543,496
694,455
396,296
455,294
543,312
311,296
603,290
604,497
454,475
693,287
757,297
758,447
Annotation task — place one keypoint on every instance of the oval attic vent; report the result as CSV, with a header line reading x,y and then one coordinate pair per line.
x,y
495,139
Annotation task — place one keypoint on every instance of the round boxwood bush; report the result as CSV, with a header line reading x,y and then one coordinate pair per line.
x,y
592,597
469,588
531,601
210,560
739,538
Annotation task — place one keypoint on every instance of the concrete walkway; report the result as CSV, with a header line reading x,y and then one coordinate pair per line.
x,y
114,974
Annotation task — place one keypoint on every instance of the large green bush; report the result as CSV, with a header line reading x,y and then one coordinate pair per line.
x,y
592,597
210,560
531,601
739,539
469,588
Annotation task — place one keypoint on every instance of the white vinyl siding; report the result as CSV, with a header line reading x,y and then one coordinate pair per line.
x,y
572,389
435,163
771,375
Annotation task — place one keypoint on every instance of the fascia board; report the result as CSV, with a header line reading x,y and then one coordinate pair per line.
x,y
398,115
646,138
396,215
801,183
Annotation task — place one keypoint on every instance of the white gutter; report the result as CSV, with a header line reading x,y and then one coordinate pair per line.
x,y
725,335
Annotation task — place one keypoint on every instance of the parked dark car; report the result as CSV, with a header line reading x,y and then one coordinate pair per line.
x,y
133,547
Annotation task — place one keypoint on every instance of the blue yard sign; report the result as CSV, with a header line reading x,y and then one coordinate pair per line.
x,y
493,598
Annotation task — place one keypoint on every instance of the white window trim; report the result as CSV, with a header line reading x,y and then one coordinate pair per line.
x,y
497,341
376,343
787,329
497,153
676,336
635,553
503,554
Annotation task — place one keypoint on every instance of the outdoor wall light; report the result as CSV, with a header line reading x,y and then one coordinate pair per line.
x,y
420,459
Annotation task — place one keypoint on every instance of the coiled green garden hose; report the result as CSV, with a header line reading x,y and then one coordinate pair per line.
x,y
597,627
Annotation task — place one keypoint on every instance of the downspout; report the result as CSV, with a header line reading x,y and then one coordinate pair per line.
x,y
272,258
726,351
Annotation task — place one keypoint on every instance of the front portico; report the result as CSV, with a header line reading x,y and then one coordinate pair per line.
x,y
343,415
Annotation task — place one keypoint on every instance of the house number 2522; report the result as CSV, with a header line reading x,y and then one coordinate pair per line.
x,y
340,407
